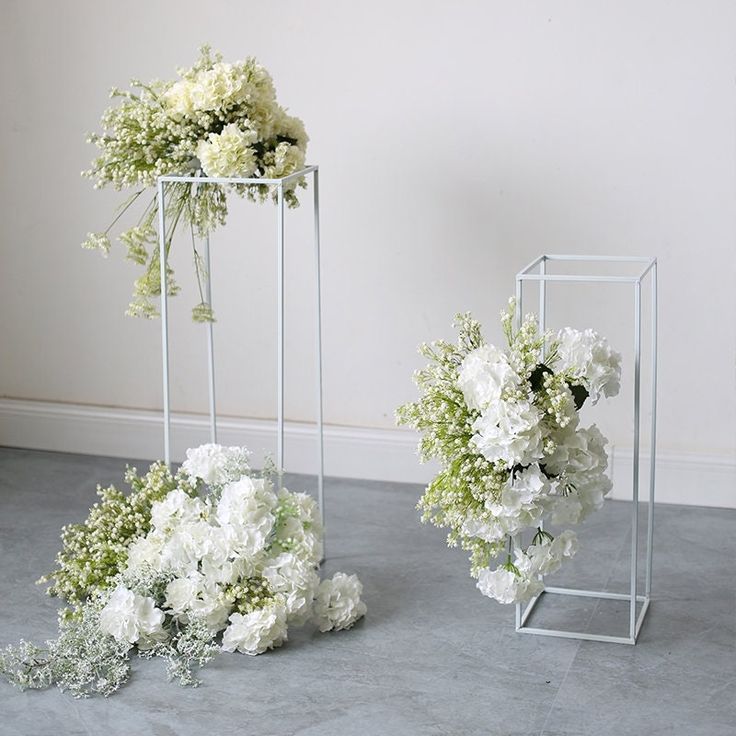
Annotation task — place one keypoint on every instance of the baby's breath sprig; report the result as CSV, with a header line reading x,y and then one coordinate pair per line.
x,y
219,120
96,550
441,414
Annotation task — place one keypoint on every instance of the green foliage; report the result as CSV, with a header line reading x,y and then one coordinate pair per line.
x,y
95,551
467,479
145,135
467,482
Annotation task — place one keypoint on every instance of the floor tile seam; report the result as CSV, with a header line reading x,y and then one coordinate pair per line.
x,y
559,687
611,571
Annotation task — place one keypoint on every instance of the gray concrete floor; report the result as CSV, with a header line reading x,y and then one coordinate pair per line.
x,y
433,657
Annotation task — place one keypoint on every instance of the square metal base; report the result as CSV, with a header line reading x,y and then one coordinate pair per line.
x,y
635,622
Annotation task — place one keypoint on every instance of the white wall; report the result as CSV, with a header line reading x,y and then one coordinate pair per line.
x,y
456,140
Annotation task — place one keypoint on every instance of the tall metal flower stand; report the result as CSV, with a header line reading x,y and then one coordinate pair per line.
x,y
278,185
552,268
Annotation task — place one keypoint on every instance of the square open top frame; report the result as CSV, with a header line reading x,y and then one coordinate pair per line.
x,y
165,185
645,277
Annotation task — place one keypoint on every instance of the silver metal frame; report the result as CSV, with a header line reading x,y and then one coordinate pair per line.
x,y
633,597
279,186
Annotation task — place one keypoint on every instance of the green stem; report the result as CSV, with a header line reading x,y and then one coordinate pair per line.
x,y
126,207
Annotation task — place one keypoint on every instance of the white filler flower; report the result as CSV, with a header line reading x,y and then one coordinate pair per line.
x,y
338,605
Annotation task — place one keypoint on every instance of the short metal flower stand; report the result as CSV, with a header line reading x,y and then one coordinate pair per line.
x,y
278,186
639,273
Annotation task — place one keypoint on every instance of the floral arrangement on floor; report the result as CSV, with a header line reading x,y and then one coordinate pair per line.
x,y
505,427
217,119
212,558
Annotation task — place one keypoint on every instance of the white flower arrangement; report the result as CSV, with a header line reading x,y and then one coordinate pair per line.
x,y
217,119
221,553
505,426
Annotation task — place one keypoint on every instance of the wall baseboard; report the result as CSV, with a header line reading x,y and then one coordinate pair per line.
x,y
350,452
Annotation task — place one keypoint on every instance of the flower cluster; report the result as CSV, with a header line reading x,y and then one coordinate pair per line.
x,y
217,120
505,426
95,551
222,556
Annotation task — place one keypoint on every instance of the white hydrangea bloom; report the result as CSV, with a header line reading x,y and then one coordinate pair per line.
x,y
525,487
228,153
176,508
178,99
246,509
199,596
217,465
254,633
285,159
186,546
211,605
509,431
297,581
576,451
337,605
546,557
493,529
592,493
565,509
146,551
506,586
484,375
521,505
130,617
566,543
181,593
587,357
305,538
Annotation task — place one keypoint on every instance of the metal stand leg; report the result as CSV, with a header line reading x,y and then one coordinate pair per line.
x,y
632,597
320,410
280,357
637,442
653,449
210,344
280,336
164,321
